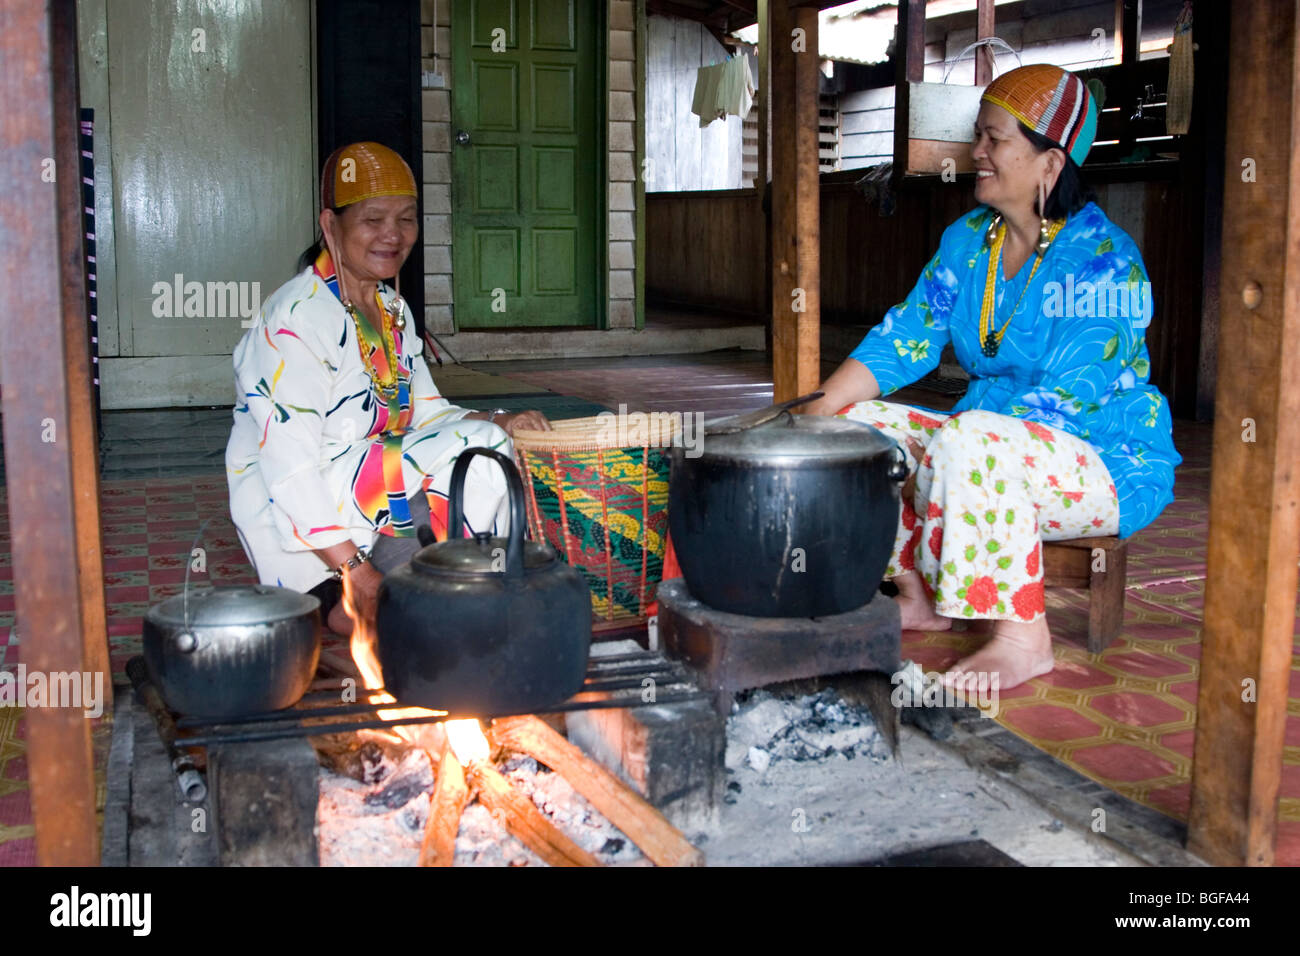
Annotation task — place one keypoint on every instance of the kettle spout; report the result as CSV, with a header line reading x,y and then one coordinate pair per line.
x,y
425,534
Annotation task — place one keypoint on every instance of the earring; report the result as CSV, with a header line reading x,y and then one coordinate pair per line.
x,y
992,234
1044,240
396,308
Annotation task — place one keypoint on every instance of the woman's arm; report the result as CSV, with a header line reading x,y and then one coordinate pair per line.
x,y
851,382
908,341
283,373
430,406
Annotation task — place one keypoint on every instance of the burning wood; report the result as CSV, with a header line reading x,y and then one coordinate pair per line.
x,y
521,817
645,826
450,795
463,757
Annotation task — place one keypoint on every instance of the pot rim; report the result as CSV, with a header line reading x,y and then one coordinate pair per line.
x,y
264,605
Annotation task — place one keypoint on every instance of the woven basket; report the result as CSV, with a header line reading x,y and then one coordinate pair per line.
x,y
601,500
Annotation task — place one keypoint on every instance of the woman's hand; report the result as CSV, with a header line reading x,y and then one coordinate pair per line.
x,y
364,590
532,420
908,491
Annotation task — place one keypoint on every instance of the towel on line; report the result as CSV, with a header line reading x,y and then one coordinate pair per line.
x,y
726,88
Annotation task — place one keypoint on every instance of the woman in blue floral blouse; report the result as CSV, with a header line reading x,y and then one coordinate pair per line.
x,y
1060,435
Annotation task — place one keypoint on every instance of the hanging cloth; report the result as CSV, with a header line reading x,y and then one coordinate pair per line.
x,y
708,82
1178,111
723,89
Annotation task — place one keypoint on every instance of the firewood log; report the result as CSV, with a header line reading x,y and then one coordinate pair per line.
x,y
446,804
520,816
661,842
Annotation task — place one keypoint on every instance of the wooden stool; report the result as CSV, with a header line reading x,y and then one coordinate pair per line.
x,y
1075,564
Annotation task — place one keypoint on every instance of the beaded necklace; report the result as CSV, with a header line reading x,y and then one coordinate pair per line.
x,y
991,340
371,342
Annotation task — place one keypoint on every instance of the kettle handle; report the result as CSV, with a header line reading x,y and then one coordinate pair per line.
x,y
515,487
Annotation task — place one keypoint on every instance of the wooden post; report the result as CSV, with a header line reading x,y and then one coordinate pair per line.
x,y
81,431
796,204
909,67
1128,31
984,27
39,425
762,101
1250,592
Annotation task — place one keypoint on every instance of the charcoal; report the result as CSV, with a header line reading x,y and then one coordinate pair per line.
x,y
413,778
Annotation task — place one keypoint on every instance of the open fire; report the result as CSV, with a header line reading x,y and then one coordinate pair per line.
x,y
464,755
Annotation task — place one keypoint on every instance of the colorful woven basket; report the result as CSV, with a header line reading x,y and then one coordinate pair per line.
x,y
597,492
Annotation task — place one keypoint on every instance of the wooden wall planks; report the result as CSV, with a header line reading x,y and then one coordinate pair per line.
x,y
703,250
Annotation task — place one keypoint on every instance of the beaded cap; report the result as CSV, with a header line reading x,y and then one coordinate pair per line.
x,y
363,171
1052,102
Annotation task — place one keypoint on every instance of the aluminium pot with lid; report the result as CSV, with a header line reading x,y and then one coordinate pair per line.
x,y
784,515
232,651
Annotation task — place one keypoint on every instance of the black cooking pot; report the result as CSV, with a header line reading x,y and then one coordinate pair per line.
x,y
484,625
792,517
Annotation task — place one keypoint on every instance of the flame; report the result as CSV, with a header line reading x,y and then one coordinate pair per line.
x,y
362,645
467,740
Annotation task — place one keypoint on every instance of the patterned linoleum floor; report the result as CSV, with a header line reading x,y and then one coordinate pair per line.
x,y
1125,717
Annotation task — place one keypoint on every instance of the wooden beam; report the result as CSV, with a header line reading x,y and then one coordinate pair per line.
x,y
38,425
911,38
1128,32
1250,592
82,432
796,203
984,27
909,67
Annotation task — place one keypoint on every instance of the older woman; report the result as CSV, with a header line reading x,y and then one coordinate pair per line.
x,y
341,443
1045,302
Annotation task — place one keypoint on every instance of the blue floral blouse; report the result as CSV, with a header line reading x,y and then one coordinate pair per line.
x,y
1074,355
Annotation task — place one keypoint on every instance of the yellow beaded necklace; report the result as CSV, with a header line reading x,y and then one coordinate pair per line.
x,y
371,340
990,340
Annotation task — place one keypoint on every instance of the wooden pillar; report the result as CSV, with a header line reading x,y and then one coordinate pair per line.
x,y
796,203
39,424
1125,87
762,101
1250,592
909,67
984,27
76,337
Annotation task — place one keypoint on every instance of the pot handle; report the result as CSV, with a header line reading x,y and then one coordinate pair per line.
x,y
515,487
898,469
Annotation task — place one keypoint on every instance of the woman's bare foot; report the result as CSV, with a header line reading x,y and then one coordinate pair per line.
x,y
915,607
1017,652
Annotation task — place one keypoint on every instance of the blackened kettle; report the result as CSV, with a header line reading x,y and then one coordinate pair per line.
x,y
484,625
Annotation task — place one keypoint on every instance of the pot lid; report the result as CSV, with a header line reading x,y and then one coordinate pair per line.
x,y
800,439
233,606
481,554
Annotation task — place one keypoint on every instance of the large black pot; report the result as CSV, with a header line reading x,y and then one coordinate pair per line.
x,y
484,625
792,518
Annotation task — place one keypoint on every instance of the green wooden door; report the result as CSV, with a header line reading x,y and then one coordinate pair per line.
x,y
525,191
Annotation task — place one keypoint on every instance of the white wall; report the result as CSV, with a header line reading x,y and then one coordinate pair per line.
x,y
205,168
684,155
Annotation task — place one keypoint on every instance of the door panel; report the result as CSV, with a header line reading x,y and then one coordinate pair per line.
x,y
526,198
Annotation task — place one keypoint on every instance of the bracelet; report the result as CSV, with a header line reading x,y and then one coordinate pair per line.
x,y
495,412
352,563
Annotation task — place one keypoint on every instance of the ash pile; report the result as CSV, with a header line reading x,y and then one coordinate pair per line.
x,y
767,727
373,811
